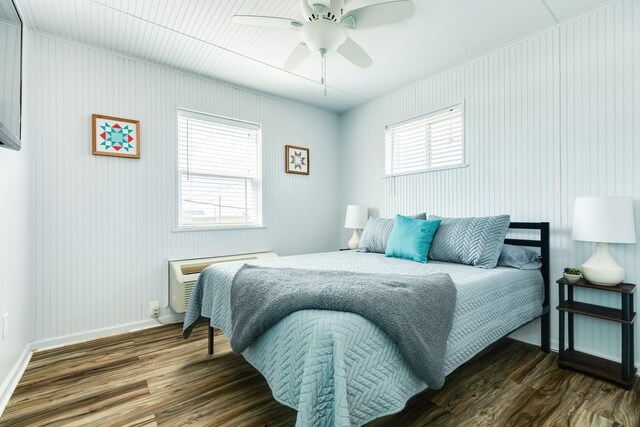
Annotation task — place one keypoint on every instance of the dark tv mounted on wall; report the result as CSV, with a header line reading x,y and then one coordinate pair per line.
x,y
10,76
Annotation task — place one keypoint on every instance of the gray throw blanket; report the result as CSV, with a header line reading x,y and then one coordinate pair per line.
x,y
416,312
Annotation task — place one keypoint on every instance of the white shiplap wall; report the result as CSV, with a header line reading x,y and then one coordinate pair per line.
x,y
104,225
16,253
549,118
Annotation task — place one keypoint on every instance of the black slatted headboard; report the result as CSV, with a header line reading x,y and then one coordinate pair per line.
x,y
543,244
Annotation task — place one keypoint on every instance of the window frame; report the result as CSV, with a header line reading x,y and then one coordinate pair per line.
x,y
464,164
178,227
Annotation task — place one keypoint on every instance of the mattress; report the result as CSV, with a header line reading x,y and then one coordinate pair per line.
x,y
337,368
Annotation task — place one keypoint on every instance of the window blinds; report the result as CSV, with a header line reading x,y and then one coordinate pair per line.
x,y
219,168
433,141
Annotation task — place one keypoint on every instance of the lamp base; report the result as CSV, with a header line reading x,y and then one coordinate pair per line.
x,y
601,268
355,239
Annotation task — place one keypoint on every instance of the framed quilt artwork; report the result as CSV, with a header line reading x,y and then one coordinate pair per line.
x,y
115,136
296,159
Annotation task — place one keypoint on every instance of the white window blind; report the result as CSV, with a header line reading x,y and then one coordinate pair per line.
x,y
219,168
432,141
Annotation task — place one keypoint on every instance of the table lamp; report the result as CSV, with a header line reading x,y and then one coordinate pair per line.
x,y
603,220
356,218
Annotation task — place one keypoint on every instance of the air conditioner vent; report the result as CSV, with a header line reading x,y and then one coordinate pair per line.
x,y
188,289
183,275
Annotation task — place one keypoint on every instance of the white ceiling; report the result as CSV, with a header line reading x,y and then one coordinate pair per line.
x,y
197,36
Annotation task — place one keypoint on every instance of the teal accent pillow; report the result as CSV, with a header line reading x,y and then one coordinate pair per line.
x,y
411,238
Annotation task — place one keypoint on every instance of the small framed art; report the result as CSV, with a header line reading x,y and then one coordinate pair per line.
x,y
115,136
296,159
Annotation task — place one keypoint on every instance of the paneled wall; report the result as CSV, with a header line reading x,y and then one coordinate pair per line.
x,y
16,252
104,225
549,118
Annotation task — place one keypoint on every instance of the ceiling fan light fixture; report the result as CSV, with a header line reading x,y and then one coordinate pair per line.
x,y
323,35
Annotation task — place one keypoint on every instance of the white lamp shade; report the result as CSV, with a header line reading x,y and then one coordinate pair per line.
x,y
356,217
604,219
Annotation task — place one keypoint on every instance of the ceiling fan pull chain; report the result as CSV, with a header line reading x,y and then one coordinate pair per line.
x,y
324,73
324,70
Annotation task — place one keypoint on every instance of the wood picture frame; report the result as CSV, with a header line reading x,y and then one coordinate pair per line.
x,y
115,136
296,160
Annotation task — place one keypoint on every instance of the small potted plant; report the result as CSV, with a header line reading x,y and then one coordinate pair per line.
x,y
572,274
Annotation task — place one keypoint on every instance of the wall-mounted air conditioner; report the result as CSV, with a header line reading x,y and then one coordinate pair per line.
x,y
183,275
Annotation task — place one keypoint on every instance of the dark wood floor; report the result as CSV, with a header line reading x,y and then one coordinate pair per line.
x,y
153,377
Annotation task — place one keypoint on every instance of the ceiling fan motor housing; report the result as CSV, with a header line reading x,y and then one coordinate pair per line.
x,y
323,35
325,25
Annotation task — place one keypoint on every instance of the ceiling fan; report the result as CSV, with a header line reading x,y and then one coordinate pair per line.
x,y
324,29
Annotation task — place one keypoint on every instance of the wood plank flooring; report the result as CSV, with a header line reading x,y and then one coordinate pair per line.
x,y
153,377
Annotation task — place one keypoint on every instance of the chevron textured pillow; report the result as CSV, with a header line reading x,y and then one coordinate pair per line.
x,y
472,241
376,234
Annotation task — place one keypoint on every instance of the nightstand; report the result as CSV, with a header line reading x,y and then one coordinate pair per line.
x,y
623,373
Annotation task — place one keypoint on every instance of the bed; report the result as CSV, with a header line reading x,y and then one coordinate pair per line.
x,y
337,368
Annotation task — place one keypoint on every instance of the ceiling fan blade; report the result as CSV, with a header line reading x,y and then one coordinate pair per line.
x,y
319,8
337,7
306,9
378,14
266,21
297,56
355,54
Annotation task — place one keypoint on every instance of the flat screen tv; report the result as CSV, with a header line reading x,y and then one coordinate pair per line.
x,y
10,75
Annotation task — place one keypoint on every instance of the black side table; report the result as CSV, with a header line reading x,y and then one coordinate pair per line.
x,y
623,373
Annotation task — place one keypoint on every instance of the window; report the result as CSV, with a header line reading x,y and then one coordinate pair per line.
x,y
219,168
432,141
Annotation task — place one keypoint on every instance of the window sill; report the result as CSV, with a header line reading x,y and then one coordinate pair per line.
x,y
443,168
217,228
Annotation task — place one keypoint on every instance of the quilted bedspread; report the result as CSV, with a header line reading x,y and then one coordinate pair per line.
x,y
337,368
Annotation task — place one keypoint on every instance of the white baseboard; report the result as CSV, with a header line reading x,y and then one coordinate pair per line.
x,y
50,343
9,385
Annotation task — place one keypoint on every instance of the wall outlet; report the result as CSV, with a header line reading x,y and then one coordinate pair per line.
x,y
5,326
154,309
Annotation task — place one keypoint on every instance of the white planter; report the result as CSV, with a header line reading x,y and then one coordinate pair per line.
x,y
572,278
